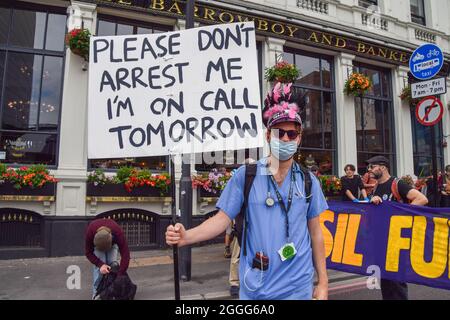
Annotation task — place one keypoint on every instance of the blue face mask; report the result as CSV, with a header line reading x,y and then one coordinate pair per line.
x,y
283,150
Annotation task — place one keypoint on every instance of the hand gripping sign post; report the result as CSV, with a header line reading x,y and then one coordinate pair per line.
x,y
429,112
183,92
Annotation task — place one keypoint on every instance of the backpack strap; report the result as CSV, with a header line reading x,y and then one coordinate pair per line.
x,y
308,183
394,190
250,173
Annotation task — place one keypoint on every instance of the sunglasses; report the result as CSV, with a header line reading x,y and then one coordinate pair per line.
x,y
279,133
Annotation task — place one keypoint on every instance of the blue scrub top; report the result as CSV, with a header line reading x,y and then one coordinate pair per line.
x,y
291,279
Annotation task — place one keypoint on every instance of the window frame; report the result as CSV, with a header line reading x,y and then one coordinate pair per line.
x,y
322,89
423,18
7,49
387,102
367,3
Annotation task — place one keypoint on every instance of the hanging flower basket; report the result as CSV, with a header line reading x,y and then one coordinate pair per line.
x,y
78,42
282,72
357,84
406,96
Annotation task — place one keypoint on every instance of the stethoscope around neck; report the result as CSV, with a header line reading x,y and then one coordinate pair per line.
x,y
270,201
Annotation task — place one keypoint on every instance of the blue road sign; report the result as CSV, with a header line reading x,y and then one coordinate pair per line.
x,y
426,61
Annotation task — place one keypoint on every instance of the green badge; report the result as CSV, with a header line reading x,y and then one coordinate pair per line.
x,y
287,252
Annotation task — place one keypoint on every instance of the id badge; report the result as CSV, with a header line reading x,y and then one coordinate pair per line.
x,y
287,251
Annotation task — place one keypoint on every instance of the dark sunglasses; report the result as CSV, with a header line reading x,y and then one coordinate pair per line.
x,y
292,134
372,166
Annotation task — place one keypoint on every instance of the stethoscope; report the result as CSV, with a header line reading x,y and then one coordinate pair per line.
x,y
270,201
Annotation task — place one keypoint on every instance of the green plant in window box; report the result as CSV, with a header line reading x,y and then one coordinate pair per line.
x,y
132,178
213,182
331,185
78,42
123,173
34,177
98,177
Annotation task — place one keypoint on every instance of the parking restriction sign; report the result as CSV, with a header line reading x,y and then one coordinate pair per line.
x,y
429,111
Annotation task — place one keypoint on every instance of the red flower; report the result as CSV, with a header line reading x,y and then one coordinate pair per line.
x,y
75,32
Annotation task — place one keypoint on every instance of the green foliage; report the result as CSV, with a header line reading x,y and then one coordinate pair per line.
x,y
282,72
78,42
123,173
34,176
98,177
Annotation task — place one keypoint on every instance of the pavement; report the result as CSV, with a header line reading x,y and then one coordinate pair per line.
x,y
70,278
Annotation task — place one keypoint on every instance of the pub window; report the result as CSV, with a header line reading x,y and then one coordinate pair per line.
x,y
111,26
233,158
418,11
316,99
374,119
367,3
31,77
422,151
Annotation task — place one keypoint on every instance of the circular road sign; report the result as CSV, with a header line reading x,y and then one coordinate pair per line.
x,y
426,61
429,111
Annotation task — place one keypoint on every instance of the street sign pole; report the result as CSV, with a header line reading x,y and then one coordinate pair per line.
x,y
186,182
176,273
429,113
425,63
435,171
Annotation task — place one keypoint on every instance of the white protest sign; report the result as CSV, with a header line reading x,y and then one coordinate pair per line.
x,y
187,91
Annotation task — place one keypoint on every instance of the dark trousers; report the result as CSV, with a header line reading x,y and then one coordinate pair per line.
x,y
393,290
445,201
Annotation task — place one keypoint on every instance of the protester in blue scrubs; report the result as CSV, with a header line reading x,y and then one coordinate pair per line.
x,y
284,235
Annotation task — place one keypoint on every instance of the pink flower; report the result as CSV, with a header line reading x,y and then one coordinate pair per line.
x,y
287,88
276,92
292,113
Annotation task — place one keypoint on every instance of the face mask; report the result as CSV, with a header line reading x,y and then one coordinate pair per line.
x,y
283,150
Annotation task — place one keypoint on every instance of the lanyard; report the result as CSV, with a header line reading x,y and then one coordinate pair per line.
x,y
280,198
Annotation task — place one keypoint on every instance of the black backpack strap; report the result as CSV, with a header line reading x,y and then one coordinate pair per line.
x,y
250,173
308,183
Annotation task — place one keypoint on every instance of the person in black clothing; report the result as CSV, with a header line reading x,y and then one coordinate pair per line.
x,y
445,187
352,185
378,166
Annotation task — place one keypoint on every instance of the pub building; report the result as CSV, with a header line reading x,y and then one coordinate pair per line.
x,y
44,89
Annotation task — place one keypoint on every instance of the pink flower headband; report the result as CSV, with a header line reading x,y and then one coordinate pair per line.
x,y
277,101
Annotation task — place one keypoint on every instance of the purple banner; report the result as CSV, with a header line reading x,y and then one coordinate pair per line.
x,y
393,240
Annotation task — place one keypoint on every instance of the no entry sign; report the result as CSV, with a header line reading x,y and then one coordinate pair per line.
x,y
429,111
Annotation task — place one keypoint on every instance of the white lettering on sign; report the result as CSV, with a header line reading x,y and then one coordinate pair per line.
x,y
426,65
428,88
189,91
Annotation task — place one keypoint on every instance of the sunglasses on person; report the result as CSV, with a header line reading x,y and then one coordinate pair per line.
x,y
279,133
372,166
